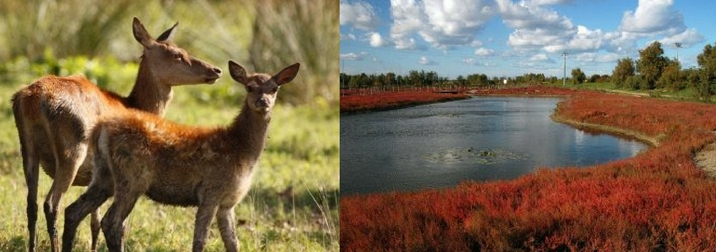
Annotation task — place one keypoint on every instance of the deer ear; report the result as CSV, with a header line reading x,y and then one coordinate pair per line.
x,y
286,75
141,34
167,35
238,72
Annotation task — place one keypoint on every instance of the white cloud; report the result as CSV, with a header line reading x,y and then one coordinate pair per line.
x,y
585,57
608,57
359,14
425,61
376,40
687,38
535,26
355,56
651,16
443,24
406,20
653,19
348,36
469,61
408,43
541,58
522,16
581,41
548,2
474,62
484,52
538,28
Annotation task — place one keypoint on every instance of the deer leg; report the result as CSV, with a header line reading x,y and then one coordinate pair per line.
x,y
204,215
31,168
113,221
50,207
95,229
225,219
90,201
66,169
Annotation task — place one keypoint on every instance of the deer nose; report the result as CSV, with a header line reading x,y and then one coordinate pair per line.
x,y
217,70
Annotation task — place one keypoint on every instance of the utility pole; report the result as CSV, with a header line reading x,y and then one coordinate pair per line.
x,y
564,76
678,45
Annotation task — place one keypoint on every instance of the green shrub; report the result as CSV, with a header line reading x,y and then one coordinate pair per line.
x,y
635,82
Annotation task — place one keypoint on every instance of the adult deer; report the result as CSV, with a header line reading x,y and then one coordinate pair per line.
x,y
141,154
55,115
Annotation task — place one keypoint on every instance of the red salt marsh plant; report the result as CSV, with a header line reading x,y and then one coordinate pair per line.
x,y
391,100
656,201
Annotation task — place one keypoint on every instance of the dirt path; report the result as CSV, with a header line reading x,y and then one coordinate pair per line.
x,y
706,159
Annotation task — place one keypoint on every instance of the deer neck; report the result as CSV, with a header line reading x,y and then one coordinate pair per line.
x,y
149,94
248,132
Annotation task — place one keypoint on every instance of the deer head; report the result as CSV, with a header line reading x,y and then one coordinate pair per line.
x,y
262,88
170,64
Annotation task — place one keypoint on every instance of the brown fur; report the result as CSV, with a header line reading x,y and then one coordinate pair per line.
x,y
55,115
142,154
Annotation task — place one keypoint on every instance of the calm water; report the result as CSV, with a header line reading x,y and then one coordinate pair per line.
x,y
483,138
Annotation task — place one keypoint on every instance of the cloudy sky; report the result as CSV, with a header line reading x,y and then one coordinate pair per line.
x,y
514,37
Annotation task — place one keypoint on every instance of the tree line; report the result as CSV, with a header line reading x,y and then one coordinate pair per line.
x,y
655,71
652,70
431,78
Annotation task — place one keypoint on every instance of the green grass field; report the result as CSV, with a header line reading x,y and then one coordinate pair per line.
x,y
302,153
686,94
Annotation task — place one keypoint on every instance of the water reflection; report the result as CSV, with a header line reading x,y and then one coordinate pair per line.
x,y
484,138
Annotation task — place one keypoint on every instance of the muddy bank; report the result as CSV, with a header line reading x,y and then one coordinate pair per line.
x,y
706,159
624,133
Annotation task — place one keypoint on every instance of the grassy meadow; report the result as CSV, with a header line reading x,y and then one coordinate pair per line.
x,y
294,202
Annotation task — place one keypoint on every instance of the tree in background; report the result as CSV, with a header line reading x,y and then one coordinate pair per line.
x,y
478,80
624,69
594,78
672,78
389,79
461,81
578,76
693,78
651,64
635,82
706,85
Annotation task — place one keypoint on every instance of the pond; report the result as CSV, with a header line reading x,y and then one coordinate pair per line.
x,y
478,139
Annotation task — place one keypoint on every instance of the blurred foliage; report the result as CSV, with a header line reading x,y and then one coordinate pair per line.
x,y
302,31
40,37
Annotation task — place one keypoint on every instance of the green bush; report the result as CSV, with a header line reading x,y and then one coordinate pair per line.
x,y
635,82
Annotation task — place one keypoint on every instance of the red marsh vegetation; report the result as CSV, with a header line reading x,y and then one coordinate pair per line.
x,y
384,100
657,201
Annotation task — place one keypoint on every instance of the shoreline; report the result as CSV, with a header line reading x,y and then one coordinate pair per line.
x,y
619,132
705,159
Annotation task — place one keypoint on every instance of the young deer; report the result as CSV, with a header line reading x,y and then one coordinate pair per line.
x,y
139,153
55,115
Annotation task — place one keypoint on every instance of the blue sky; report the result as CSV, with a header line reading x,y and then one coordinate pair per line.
x,y
510,38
